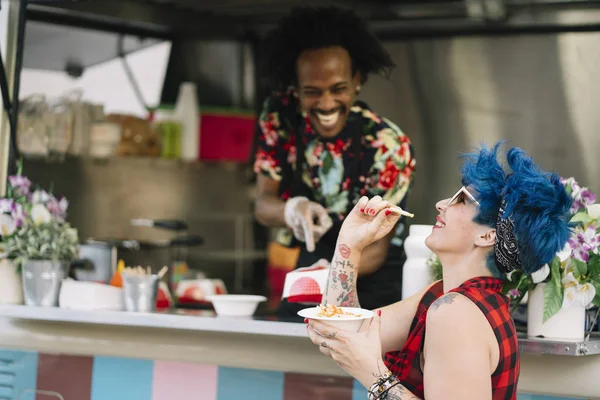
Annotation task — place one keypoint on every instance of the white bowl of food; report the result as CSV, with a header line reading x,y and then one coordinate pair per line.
x,y
346,318
235,305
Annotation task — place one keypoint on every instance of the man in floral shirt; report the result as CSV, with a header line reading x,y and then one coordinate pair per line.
x,y
320,149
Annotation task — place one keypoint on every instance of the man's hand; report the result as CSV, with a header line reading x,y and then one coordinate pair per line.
x,y
308,220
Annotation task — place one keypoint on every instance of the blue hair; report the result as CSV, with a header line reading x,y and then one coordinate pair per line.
x,y
536,201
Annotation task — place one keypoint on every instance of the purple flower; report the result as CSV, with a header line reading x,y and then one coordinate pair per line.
x,y
587,196
514,293
57,208
20,184
581,196
585,242
18,214
6,205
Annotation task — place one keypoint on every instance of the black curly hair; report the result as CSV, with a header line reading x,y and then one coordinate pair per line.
x,y
307,28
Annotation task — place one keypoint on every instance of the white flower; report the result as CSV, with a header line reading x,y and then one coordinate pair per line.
x,y
565,253
7,225
72,234
576,293
40,197
63,204
594,211
541,274
40,214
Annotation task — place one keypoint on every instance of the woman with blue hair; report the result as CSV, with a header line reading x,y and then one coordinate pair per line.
x,y
498,221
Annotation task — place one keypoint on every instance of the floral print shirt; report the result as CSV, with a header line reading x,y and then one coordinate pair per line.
x,y
386,165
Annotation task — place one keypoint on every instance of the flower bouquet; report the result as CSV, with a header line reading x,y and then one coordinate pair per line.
x,y
573,276
35,237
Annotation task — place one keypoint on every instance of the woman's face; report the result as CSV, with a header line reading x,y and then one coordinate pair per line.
x,y
326,88
455,231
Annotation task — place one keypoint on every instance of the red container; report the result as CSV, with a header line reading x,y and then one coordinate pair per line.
x,y
226,136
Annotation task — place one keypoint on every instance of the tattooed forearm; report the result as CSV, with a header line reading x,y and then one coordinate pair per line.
x,y
343,275
447,299
341,282
399,392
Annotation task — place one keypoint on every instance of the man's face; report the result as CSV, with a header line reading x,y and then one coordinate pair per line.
x,y
326,88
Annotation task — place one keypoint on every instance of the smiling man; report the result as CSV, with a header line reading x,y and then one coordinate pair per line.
x,y
320,149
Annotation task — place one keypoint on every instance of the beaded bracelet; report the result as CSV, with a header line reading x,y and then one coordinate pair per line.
x,y
382,385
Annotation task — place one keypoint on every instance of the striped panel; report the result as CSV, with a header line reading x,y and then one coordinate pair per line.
x,y
237,383
117,378
58,373
18,372
316,387
184,381
524,396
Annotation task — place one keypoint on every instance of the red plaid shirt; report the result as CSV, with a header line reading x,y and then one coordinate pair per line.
x,y
486,294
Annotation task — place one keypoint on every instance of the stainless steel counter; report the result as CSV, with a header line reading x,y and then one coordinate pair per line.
x,y
206,321
560,348
256,343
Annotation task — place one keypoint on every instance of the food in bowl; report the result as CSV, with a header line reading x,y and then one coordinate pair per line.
x,y
235,305
347,318
333,311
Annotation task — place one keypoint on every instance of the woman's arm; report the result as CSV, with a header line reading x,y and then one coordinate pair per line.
x,y
343,273
459,357
375,254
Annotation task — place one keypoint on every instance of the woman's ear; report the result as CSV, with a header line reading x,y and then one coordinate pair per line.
x,y
486,239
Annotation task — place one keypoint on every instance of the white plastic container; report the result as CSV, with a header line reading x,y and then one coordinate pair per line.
x,y
76,295
415,274
235,305
187,112
346,323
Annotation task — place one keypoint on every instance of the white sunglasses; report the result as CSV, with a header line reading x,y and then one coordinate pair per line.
x,y
462,191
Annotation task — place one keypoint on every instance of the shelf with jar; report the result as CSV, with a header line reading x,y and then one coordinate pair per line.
x,y
52,129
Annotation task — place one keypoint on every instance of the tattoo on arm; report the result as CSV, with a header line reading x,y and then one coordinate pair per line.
x,y
347,295
341,282
344,250
447,299
399,392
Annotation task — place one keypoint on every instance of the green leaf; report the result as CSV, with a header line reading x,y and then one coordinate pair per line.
x,y
579,268
583,217
553,299
553,291
596,299
594,266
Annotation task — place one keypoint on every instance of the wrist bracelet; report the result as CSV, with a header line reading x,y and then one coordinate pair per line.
x,y
385,394
381,386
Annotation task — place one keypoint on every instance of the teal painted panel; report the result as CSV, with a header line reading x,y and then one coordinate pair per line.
x,y
359,392
18,375
115,378
239,383
524,396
